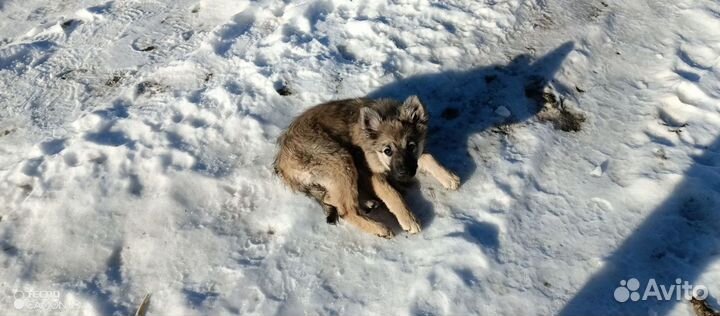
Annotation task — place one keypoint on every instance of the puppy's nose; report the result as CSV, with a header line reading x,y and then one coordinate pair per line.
x,y
403,175
408,172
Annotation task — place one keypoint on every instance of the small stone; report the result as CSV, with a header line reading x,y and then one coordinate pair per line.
x,y
284,91
502,111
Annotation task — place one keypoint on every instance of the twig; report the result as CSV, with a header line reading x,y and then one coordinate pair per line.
x,y
143,306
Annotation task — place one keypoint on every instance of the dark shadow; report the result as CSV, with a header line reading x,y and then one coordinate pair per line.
x,y
483,234
242,23
464,103
7,247
678,240
107,137
136,187
97,287
198,299
383,215
420,206
53,146
32,167
119,110
467,276
101,9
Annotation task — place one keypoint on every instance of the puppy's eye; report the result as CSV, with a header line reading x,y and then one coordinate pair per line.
x,y
411,146
388,151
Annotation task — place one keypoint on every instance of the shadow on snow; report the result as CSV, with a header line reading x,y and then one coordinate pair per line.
x,y
677,240
464,103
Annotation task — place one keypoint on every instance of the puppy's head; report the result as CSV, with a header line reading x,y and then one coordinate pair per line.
x,y
395,132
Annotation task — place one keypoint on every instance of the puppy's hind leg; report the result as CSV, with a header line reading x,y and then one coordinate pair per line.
x,y
368,200
319,193
349,210
342,192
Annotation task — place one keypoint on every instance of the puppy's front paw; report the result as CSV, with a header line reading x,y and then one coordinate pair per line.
x,y
411,225
413,228
386,233
450,181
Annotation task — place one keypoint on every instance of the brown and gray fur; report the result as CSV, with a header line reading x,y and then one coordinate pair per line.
x,y
345,153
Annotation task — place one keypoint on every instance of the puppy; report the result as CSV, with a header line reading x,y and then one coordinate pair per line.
x,y
332,147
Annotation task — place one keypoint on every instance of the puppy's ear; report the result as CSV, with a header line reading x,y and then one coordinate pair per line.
x,y
370,121
413,111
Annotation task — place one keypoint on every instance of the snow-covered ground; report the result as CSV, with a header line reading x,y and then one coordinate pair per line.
x,y
136,142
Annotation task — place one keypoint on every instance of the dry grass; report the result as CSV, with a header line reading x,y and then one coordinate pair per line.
x,y
562,117
702,308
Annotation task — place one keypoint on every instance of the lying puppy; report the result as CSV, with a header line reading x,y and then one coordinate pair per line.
x,y
331,148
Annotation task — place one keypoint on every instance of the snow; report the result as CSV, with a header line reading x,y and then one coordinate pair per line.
x,y
136,142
